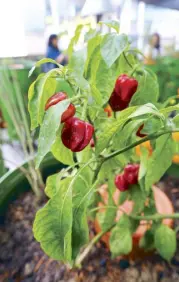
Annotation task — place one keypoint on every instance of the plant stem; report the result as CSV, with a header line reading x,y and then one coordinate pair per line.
x,y
86,251
142,140
76,98
156,216
103,207
127,60
84,112
134,69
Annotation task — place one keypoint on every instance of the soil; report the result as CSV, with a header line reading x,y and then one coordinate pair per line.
x,y
21,258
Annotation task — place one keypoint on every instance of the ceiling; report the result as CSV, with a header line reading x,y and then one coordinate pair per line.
x,y
172,4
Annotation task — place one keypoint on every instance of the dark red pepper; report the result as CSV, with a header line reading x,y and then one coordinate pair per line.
x,y
121,183
76,134
116,102
58,97
131,172
138,133
125,88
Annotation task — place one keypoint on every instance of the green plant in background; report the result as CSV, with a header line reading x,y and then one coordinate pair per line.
x,y
103,72
167,71
14,109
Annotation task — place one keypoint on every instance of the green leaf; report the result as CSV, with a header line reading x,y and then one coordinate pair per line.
x,y
121,239
147,241
43,61
111,23
60,152
125,135
112,128
123,197
51,185
94,64
176,121
170,109
160,160
80,230
165,241
112,46
92,44
53,224
147,109
96,94
33,101
104,80
39,92
143,167
110,213
49,128
138,197
75,39
84,155
77,62
148,89
46,89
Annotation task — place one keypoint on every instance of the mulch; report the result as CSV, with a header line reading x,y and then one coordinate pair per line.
x,y
21,258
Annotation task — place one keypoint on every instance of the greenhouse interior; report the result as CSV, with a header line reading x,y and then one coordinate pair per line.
x,y
89,141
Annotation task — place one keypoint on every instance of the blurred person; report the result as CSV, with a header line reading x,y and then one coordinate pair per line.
x,y
54,53
153,49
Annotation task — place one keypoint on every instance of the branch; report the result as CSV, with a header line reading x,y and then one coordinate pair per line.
x,y
127,60
142,140
86,251
156,216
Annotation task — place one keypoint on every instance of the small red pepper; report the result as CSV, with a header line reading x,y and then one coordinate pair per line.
x,y
116,102
121,183
76,134
124,89
131,172
138,133
58,97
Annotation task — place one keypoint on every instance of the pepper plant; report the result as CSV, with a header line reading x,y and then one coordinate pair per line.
x,y
94,132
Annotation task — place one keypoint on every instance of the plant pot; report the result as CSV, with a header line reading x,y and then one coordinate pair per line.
x,y
163,205
14,183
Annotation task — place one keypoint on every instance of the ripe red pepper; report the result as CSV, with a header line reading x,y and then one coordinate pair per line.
x,y
126,86
121,183
128,177
76,134
138,133
124,89
131,173
58,97
116,102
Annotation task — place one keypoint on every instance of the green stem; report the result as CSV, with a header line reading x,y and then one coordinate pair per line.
x,y
84,112
134,69
86,251
76,98
99,208
127,60
142,140
154,217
